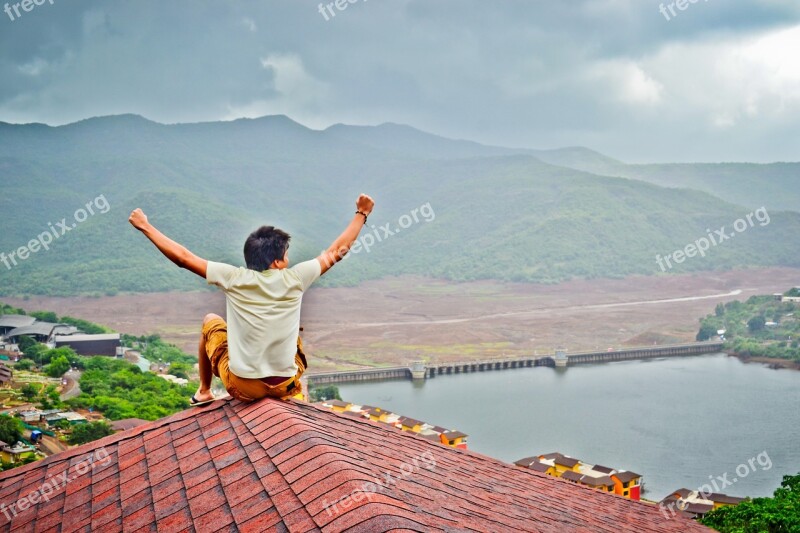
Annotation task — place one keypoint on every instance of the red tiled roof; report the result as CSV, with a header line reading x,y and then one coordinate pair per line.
x,y
274,465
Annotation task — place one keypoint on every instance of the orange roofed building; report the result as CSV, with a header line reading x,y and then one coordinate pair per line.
x,y
290,466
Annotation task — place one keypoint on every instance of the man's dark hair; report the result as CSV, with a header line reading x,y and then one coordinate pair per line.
x,y
265,245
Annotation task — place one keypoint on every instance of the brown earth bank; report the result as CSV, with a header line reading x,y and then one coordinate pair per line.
x,y
397,320
771,362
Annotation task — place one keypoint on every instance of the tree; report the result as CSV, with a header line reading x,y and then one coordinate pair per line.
x,y
180,370
10,429
777,514
45,316
719,310
52,394
37,353
83,325
83,433
62,424
757,323
328,392
66,351
706,332
23,364
29,391
24,342
58,366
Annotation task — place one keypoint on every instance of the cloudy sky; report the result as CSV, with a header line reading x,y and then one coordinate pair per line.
x,y
718,81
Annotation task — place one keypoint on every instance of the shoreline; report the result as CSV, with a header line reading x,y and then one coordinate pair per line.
x,y
771,362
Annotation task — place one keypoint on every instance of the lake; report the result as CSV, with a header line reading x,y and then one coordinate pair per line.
x,y
677,421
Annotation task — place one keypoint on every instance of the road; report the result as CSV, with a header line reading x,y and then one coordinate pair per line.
x,y
72,388
537,311
48,445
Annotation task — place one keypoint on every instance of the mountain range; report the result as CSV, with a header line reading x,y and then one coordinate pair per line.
x,y
493,212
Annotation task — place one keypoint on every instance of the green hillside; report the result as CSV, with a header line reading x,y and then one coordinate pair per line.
x,y
499,213
775,186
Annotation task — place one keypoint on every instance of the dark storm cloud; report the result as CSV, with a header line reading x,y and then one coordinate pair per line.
x,y
611,74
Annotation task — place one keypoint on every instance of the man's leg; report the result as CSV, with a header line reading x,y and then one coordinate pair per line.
x,y
204,363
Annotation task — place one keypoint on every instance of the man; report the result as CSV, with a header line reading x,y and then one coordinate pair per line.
x,y
259,352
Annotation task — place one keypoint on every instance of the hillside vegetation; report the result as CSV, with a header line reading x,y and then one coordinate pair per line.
x,y
496,213
760,327
115,387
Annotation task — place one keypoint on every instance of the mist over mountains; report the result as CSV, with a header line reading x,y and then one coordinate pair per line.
x,y
499,213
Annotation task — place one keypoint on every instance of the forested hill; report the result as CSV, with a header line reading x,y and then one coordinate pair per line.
x,y
482,212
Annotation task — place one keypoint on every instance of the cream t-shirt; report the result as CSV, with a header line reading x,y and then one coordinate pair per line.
x,y
263,315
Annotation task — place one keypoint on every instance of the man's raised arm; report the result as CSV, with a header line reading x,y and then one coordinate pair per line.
x,y
175,252
342,244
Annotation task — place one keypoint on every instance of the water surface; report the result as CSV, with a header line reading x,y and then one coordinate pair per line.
x,y
676,421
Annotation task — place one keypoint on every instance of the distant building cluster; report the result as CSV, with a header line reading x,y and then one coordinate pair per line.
x,y
49,417
455,439
12,327
792,296
38,423
694,504
622,482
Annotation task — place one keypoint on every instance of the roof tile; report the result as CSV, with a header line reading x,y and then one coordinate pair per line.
x,y
106,514
257,505
180,520
140,518
165,505
215,520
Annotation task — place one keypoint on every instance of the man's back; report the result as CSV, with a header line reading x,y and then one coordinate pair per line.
x,y
263,315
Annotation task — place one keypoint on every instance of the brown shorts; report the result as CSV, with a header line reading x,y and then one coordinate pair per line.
x,y
215,333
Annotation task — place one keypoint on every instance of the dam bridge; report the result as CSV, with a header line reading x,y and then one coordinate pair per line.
x,y
421,370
